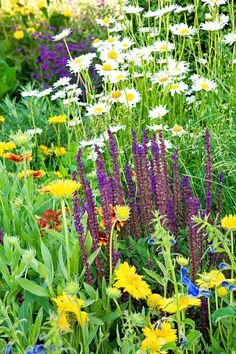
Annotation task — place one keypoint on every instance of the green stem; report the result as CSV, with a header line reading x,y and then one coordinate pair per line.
x,y
110,251
63,208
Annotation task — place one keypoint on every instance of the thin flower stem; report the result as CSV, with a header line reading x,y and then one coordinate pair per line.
x,y
110,251
63,208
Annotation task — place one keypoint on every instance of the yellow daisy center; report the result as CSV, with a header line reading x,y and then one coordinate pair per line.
x,y
116,94
184,31
163,79
129,97
111,40
174,86
106,20
163,48
98,110
112,55
205,86
107,67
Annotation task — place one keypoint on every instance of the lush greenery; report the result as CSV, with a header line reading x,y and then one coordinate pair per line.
x,y
117,181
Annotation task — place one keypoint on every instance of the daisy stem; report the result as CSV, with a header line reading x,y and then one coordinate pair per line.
x,y
232,265
63,208
110,251
209,315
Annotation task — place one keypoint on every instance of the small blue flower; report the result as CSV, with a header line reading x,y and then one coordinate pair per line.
x,y
183,342
225,283
232,288
192,289
37,349
172,242
223,265
8,349
151,241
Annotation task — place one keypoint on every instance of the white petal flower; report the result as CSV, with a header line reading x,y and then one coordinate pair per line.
x,y
65,33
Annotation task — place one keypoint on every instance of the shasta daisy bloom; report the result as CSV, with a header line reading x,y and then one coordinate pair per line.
x,y
132,9
177,130
182,29
179,9
202,83
80,63
178,87
163,46
63,81
156,127
157,336
130,97
97,109
127,278
213,3
112,54
162,78
65,33
157,112
106,68
45,92
59,94
125,43
229,222
30,93
106,21
61,188
176,68
57,119
230,38
219,23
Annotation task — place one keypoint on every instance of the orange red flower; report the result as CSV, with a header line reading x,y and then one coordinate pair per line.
x,y
17,158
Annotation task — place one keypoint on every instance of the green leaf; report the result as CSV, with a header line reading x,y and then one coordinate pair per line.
x,y
93,294
168,346
75,256
95,320
47,258
33,288
224,312
153,275
192,338
61,263
36,327
93,256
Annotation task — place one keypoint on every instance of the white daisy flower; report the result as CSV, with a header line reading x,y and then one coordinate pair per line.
x,y
45,92
30,93
59,94
112,54
31,132
178,87
117,76
157,127
106,21
115,96
202,83
219,23
126,43
165,10
162,78
80,63
213,3
179,9
182,29
97,109
157,112
230,38
202,61
63,81
176,68
74,122
163,46
130,97
177,130
132,9
65,33
106,68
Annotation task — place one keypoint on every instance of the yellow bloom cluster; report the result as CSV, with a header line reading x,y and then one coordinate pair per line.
x,y
60,151
57,119
35,174
229,222
70,304
127,278
5,146
61,188
2,119
170,305
18,35
157,336
45,150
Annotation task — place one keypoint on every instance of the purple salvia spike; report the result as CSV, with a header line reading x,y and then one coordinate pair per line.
x,y
176,197
119,194
193,209
186,193
164,169
131,197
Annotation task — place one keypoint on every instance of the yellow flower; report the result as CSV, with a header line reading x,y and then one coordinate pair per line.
x,y
70,304
127,278
45,150
2,119
184,302
157,336
40,4
222,291
66,12
153,301
122,212
209,280
4,146
18,35
61,188
229,222
36,174
31,30
182,261
57,119
58,173
60,151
